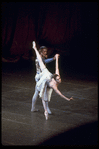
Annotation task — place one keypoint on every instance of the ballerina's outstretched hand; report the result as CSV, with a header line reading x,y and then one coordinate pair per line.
x,y
71,98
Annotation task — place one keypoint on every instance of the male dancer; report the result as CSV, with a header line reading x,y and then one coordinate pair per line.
x,y
43,54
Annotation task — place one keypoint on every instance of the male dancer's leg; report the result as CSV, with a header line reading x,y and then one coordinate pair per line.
x,y
48,109
34,99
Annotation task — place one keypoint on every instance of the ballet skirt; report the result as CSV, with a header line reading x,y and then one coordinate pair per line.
x,y
43,85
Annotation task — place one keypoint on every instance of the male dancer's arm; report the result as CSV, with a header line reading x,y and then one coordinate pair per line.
x,y
48,60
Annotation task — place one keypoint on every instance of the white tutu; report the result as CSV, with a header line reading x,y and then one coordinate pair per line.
x,y
45,92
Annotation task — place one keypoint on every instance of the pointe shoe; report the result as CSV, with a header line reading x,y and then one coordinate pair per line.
x,y
46,115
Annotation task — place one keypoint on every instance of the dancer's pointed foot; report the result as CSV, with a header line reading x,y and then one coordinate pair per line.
x,y
46,115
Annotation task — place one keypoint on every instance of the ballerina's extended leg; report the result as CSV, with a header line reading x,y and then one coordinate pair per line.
x,y
42,66
45,108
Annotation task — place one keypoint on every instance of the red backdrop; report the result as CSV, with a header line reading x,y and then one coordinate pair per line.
x,y
51,24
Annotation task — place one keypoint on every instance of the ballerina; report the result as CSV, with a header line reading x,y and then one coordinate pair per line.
x,y
48,81
44,56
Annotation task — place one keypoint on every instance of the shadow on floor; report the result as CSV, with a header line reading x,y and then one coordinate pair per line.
x,y
83,135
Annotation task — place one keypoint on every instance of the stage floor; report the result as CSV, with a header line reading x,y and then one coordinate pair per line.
x,y
71,123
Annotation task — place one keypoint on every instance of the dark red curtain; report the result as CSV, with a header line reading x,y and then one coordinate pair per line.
x,y
52,24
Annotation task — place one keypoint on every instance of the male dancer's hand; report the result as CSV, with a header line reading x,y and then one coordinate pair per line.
x,y
57,56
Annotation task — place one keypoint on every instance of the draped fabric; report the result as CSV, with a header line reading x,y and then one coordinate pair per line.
x,y
52,24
